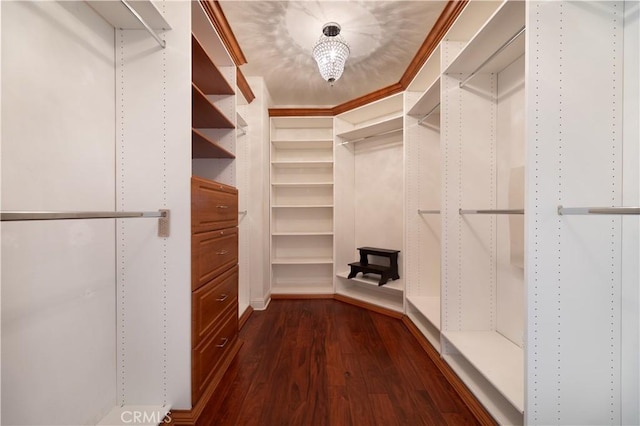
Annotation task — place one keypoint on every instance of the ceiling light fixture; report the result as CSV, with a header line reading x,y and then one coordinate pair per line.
x,y
331,52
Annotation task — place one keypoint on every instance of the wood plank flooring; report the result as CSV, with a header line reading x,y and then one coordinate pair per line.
x,y
324,362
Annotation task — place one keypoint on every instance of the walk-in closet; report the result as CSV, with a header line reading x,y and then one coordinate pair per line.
x,y
204,200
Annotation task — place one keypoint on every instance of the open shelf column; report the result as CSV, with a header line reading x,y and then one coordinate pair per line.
x,y
301,205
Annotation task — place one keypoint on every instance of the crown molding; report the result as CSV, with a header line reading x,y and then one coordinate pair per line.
x,y
243,86
300,112
368,98
219,21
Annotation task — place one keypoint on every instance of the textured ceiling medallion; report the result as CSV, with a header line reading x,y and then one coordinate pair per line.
x,y
331,52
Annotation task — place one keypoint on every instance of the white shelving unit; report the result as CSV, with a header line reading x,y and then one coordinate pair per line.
x,y
583,149
301,205
482,116
120,17
369,196
214,104
134,110
376,129
422,199
475,102
496,358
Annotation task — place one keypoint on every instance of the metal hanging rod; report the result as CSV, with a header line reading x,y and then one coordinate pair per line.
x,y
492,211
598,210
150,30
429,114
12,216
371,137
243,212
428,211
500,49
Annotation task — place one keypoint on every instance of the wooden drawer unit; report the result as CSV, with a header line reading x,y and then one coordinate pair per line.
x,y
214,285
213,205
210,301
211,254
208,355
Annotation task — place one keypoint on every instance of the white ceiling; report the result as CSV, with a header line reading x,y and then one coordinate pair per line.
x,y
277,38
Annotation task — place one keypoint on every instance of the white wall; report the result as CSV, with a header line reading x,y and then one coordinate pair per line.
x,y
58,278
379,195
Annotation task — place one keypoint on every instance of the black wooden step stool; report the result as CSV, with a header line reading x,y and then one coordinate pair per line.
x,y
386,272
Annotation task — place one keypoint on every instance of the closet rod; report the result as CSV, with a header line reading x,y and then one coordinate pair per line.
x,y
598,210
12,216
242,131
242,212
371,136
500,49
428,211
429,114
160,41
495,211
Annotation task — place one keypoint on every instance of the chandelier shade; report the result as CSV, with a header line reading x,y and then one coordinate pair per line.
x,y
331,52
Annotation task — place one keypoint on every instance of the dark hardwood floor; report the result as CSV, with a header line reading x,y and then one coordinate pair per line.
x,y
324,362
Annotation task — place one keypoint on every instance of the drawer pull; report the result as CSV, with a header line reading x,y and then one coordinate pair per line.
x,y
221,206
223,344
222,252
222,298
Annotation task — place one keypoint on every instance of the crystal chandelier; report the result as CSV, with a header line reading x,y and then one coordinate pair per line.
x,y
331,52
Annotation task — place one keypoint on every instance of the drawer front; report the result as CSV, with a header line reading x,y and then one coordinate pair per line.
x,y
211,254
213,205
209,302
207,356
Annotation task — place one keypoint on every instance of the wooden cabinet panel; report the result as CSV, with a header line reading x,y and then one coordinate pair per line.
x,y
214,284
212,253
210,301
207,356
213,205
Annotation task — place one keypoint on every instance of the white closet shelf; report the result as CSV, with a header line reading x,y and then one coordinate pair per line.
x,y
302,287
502,26
496,358
429,307
240,120
303,144
301,206
302,261
117,14
372,280
302,233
374,129
302,184
301,164
429,100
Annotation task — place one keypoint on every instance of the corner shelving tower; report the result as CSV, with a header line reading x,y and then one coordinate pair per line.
x,y
369,197
301,205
